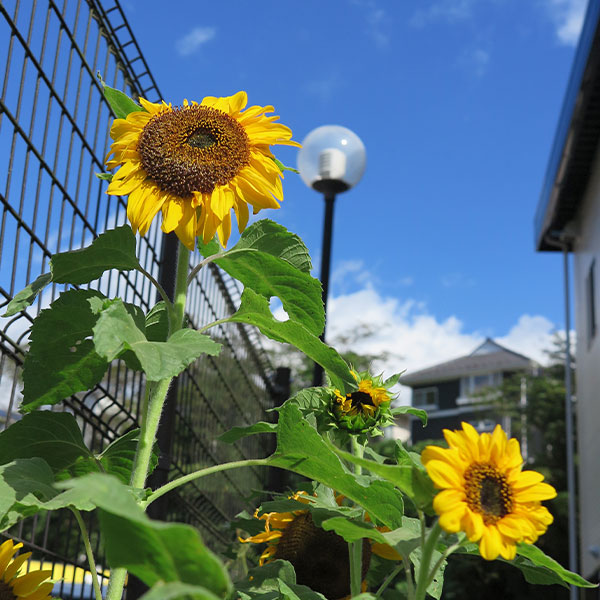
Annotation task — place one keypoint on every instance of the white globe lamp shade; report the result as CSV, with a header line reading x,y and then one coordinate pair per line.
x,y
332,157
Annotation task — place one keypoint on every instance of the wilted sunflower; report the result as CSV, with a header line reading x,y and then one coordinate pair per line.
x,y
31,586
485,493
320,558
365,408
196,162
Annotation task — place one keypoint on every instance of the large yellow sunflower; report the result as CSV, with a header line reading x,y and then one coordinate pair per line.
x,y
196,162
31,586
320,558
485,493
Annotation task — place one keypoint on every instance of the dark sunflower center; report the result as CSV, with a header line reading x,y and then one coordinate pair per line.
x,y
193,149
6,591
319,557
201,139
360,399
488,492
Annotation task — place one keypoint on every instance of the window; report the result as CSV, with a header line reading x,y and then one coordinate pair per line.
x,y
590,291
424,397
472,385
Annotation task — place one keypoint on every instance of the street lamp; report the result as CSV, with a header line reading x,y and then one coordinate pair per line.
x,y
332,160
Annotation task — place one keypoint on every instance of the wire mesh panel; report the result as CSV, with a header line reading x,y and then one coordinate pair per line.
x,y
54,125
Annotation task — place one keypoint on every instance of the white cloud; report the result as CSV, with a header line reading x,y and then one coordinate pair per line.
x,y
409,338
190,42
567,16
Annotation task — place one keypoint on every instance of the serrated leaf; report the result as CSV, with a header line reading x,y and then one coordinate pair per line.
x,y
302,450
266,261
118,457
152,550
542,569
27,295
61,360
113,249
175,590
116,332
409,410
53,436
272,238
237,433
120,103
254,310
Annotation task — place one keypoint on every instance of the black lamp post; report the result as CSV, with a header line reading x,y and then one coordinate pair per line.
x,y
332,160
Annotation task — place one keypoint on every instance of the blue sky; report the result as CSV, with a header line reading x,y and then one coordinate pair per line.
x,y
456,102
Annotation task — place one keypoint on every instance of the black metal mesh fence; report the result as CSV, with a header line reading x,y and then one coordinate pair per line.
x,y
54,126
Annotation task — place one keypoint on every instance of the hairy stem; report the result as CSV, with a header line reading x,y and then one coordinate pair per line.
x,y
424,578
89,553
156,399
171,485
199,266
409,579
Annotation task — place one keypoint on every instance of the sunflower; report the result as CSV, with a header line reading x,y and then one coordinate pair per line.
x,y
196,162
485,493
364,408
31,586
320,558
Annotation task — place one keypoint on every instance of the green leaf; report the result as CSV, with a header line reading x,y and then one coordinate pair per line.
x,y
435,587
270,237
27,296
541,569
175,590
237,433
157,323
152,550
283,168
409,410
302,450
26,488
273,262
404,539
116,331
407,477
254,310
113,249
209,249
53,436
61,361
117,458
120,103
104,176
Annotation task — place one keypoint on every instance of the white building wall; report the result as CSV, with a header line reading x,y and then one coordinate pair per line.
x,y
587,249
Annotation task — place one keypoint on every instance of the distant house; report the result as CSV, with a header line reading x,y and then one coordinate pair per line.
x,y
568,220
451,392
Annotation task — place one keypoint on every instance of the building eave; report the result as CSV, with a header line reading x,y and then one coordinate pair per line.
x,y
576,138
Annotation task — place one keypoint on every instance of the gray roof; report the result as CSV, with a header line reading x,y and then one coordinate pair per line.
x,y
489,357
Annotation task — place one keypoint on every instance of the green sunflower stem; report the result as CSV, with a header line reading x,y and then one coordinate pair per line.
x,y
156,399
171,485
425,576
89,553
355,549
389,580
